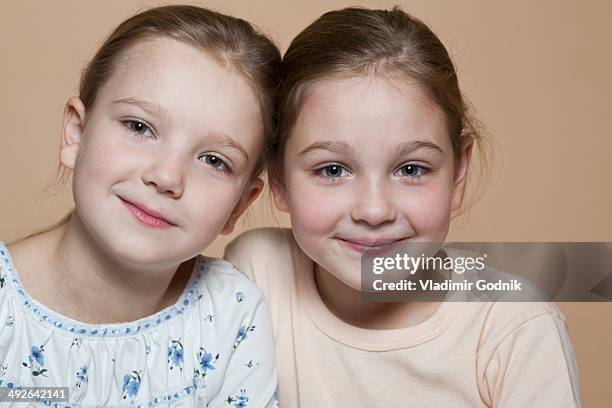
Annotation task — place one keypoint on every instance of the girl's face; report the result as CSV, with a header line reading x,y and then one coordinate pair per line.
x,y
162,164
368,165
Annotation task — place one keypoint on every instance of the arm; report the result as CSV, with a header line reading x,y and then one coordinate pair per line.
x,y
532,366
250,379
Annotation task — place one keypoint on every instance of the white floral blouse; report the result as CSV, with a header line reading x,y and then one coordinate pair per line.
x,y
212,348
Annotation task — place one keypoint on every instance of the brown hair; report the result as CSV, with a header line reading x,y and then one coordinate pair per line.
x,y
232,41
359,41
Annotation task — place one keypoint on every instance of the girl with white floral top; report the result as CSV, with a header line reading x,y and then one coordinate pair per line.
x,y
164,143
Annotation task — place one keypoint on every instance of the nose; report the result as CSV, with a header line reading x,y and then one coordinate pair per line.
x,y
166,175
373,204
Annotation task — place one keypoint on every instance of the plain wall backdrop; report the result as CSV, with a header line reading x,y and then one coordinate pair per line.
x,y
537,74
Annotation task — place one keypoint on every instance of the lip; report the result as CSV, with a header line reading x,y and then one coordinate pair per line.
x,y
146,215
368,246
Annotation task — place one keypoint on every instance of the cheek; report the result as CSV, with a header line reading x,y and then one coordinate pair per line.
x,y
428,211
212,209
94,172
209,200
101,158
314,210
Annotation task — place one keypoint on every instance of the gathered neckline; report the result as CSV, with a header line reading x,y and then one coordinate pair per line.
x,y
189,297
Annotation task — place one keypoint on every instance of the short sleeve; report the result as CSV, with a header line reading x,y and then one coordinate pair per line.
x,y
533,366
250,377
264,255
240,252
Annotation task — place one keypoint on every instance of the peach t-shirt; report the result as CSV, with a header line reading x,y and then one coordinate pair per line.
x,y
465,355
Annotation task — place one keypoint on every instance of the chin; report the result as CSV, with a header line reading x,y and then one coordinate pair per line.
x,y
350,281
350,277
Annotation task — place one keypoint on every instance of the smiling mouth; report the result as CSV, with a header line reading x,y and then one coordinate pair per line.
x,y
371,246
146,216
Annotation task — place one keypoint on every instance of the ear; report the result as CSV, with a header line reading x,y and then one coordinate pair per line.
x,y
461,170
279,193
251,193
72,131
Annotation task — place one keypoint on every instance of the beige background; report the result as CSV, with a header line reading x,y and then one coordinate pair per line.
x,y
536,72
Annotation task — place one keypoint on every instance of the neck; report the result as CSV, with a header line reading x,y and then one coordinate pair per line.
x,y
90,285
347,304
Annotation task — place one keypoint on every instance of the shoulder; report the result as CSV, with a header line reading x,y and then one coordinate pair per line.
x,y
263,250
522,343
32,256
266,240
222,279
272,258
518,325
503,318
227,298
235,310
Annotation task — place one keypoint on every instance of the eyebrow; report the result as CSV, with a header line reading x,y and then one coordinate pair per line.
x,y
227,141
406,148
400,150
150,108
337,147
157,110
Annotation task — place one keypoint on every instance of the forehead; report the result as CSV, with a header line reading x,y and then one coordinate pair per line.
x,y
194,88
369,111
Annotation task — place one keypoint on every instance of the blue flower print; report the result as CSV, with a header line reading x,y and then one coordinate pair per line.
x,y
36,361
2,373
206,360
131,384
175,354
240,296
81,376
10,320
239,400
2,280
37,354
242,334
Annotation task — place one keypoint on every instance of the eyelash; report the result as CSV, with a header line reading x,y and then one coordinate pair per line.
x,y
319,171
130,123
421,171
227,169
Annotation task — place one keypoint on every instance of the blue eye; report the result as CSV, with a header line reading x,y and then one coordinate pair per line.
x,y
411,170
215,162
333,171
139,128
